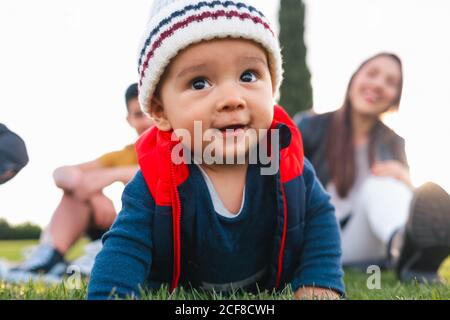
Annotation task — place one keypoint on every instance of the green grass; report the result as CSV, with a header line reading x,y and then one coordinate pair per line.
x,y
13,250
391,289
356,284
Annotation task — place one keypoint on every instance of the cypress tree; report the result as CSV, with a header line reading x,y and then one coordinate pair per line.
x,y
296,91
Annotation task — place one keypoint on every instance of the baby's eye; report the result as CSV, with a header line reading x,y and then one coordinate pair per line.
x,y
248,76
200,84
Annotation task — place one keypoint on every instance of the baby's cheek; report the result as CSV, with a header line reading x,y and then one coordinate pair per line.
x,y
267,117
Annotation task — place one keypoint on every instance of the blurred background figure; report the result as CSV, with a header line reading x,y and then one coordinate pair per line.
x,y
13,154
363,165
83,208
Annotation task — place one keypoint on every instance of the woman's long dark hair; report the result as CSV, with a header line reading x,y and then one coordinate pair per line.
x,y
340,142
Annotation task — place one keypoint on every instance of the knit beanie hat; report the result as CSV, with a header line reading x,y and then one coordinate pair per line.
x,y
176,24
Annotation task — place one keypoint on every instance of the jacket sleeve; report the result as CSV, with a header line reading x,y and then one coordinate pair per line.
x,y
123,264
320,261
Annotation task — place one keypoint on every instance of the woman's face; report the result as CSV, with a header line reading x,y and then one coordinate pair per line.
x,y
376,86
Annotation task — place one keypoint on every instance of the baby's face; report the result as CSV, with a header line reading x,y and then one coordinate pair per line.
x,y
226,85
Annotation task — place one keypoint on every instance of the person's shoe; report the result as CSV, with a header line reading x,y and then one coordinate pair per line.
x,y
43,258
57,274
419,249
3,269
54,276
85,263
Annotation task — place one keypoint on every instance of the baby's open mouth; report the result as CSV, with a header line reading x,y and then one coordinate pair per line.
x,y
234,127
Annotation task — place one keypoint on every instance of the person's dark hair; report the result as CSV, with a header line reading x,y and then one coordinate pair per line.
x,y
340,143
131,93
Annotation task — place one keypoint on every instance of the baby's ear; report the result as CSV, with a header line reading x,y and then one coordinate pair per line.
x,y
156,111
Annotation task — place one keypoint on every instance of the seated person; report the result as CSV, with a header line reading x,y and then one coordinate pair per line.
x,y
83,208
362,163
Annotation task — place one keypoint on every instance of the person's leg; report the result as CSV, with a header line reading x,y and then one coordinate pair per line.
x,y
69,222
103,215
419,249
104,212
73,218
386,202
380,207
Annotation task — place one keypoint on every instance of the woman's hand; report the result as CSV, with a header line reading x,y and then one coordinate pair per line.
x,y
394,169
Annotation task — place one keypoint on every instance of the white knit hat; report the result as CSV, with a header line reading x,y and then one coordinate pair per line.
x,y
176,24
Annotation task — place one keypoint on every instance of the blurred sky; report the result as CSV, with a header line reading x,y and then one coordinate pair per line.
x,y
64,66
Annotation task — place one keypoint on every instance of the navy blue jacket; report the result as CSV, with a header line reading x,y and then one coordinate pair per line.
x,y
161,231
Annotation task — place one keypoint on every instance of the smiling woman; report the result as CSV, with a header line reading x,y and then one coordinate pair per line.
x,y
360,28
374,89
363,165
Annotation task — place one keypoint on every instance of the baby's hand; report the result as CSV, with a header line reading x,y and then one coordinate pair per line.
x,y
311,293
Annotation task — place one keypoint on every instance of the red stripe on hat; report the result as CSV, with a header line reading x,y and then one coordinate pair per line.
x,y
198,18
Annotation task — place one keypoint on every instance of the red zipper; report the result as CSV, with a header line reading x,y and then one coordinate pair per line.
x,y
283,239
176,222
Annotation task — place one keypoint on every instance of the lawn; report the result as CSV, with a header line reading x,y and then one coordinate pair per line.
x,y
356,284
13,250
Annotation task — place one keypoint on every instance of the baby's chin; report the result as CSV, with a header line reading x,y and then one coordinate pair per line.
x,y
214,154
235,147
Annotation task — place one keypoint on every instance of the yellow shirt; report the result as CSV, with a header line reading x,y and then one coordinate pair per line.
x,y
122,158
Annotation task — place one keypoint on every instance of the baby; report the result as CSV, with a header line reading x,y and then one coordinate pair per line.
x,y
218,219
